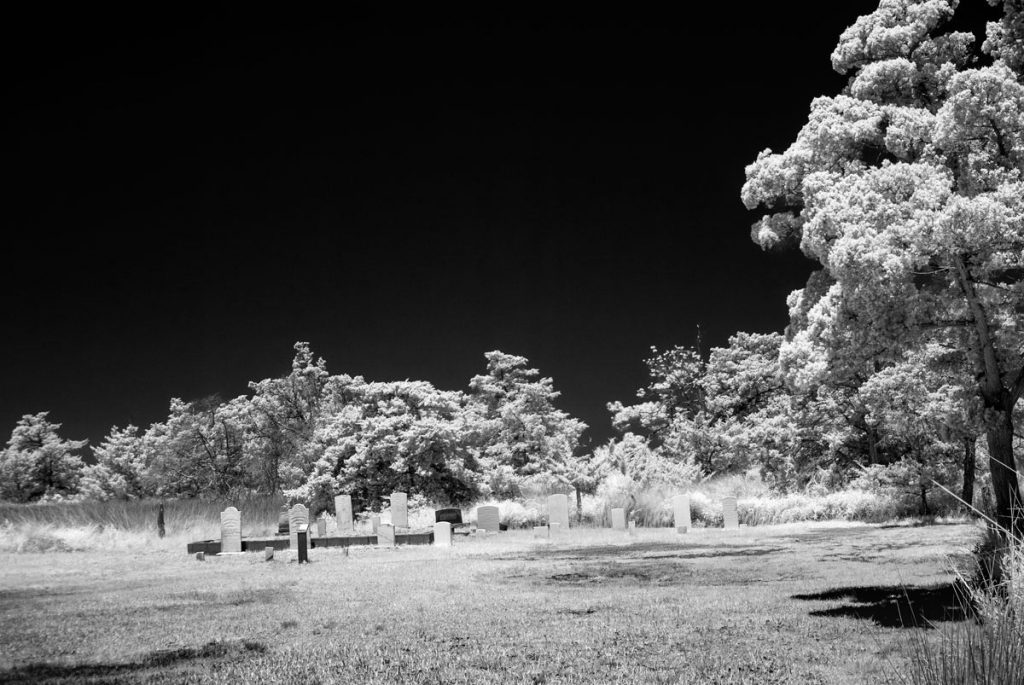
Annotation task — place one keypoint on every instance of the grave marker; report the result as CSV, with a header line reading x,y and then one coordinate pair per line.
x,y
681,509
632,528
297,516
230,531
386,535
558,510
618,519
730,517
343,512
375,524
487,518
268,553
321,527
399,510
442,534
452,516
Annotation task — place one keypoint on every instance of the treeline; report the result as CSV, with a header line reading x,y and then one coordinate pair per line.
x,y
909,428
310,434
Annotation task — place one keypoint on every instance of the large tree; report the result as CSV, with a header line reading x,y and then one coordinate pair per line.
x,y
38,463
908,189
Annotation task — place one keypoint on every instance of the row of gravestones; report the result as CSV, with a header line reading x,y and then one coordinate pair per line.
x,y
487,520
681,514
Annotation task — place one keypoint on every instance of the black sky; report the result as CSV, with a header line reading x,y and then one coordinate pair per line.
x,y
191,191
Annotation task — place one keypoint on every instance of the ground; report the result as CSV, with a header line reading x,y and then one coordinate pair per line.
x,y
800,603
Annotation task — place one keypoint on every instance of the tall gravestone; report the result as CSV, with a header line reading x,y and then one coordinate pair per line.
x,y
230,531
618,519
386,535
442,534
297,516
488,518
730,517
343,513
558,510
681,510
399,510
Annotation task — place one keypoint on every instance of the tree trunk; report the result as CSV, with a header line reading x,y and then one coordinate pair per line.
x,y
1005,486
579,506
970,451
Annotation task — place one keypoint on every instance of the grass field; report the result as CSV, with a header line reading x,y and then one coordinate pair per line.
x,y
795,603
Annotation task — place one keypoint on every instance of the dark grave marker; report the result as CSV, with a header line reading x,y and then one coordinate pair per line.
x,y
452,516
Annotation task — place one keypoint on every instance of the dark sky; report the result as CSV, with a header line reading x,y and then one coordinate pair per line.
x,y
191,191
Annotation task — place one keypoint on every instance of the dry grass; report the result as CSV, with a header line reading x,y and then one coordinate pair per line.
x,y
798,603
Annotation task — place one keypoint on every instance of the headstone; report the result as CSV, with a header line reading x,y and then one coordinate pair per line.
x,y
343,512
730,517
681,509
386,535
558,510
442,534
632,528
487,518
375,524
452,516
399,510
200,556
481,533
230,531
618,519
302,538
321,528
282,520
268,553
540,532
297,516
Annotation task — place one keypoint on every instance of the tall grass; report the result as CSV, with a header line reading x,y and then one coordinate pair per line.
x,y
118,524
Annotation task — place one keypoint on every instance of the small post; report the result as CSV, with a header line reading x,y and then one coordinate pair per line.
x,y
200,556
161,531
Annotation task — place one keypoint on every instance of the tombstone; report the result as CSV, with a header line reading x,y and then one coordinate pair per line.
x,y
730,517
558,510
452,516
632,528
399,510
302,537
230,531
282,520
481,533
200,556
386,535
442,534
540,532
375,524
343,513
487,518
681,509
268,553
297,516
321,527
618,519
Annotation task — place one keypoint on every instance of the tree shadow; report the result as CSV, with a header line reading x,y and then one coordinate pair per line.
x,y
123,672
897,606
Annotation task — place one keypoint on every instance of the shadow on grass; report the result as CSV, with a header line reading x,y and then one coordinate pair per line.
x,y
649,550
122,672
896,606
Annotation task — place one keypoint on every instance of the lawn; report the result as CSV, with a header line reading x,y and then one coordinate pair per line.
x,y
795,603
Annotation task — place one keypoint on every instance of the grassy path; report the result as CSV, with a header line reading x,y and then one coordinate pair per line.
x,y
801,603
